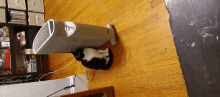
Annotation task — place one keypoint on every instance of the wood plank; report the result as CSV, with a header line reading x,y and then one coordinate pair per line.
x,y
145,58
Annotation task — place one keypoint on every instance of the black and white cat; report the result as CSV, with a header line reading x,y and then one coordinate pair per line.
x,y
93,58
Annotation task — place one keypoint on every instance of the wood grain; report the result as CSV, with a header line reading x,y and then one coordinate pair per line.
x,y
145,58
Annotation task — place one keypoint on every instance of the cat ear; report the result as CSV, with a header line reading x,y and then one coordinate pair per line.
x,y
74,53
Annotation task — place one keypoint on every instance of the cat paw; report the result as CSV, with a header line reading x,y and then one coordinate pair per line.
x,y
107,50
105,54
107,60
103,51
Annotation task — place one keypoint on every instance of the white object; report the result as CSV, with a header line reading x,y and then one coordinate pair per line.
x,y
56,70
4,39
36,5
2,3
28,51
81,82
23,39
64,37
18,36
5,44
17,4
45,88
29,68
2,16
33,60
1,62
34,67
36,19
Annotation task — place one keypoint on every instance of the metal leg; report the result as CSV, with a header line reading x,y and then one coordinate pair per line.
x,y
113,40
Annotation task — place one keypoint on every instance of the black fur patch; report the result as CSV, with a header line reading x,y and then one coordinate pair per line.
x,y
94,63
78,54
109,64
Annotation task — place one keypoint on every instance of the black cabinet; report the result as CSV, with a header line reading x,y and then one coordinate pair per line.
x,y
16,58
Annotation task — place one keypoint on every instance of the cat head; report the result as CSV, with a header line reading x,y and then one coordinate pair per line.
x,y
78,54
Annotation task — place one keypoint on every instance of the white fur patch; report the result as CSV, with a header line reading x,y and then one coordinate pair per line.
x,y
90,53
107,59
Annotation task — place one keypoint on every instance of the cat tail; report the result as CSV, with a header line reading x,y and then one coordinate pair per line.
x,y
108,65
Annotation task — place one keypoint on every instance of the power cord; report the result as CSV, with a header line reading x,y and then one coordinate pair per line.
x,y
65,88
38,76
56,70
92,76
85,72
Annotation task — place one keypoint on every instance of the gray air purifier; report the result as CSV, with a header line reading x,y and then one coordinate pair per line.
x,y
64,37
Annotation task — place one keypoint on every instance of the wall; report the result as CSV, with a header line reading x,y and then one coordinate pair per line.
x,y
81,83
44,88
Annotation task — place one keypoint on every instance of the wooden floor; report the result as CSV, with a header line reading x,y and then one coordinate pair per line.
x,y
145,59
